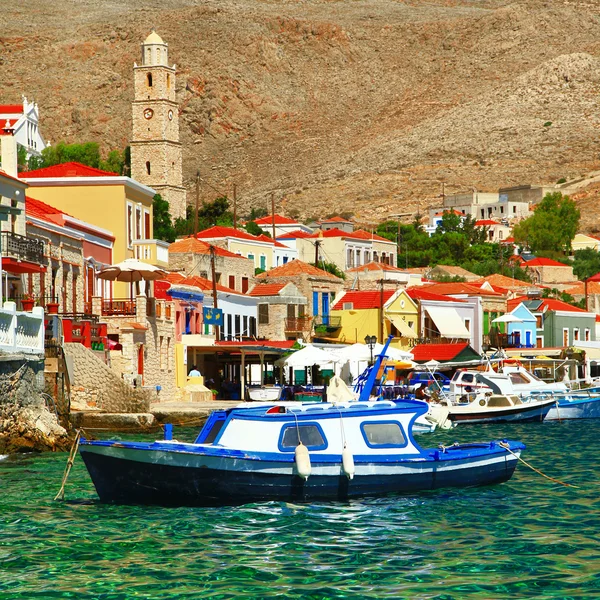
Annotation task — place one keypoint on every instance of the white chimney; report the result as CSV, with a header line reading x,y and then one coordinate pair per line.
x,y
8,154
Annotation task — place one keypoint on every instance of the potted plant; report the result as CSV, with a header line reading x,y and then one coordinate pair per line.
x,y
52,308
27,302
214,394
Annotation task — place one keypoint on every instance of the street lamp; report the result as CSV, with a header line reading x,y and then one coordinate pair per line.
x,y
371,340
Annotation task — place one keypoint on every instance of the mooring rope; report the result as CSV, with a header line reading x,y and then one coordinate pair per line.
x,y
72,455
507,448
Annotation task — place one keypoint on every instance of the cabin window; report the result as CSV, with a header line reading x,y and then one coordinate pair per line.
x,y
311,436
386,434
498,401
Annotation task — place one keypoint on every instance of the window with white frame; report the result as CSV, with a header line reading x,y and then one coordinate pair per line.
x,y
587,335
129,224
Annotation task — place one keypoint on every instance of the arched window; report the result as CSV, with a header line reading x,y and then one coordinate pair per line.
x,y
149,77
148,167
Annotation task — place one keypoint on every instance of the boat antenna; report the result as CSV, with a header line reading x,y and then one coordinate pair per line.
x,y
370,382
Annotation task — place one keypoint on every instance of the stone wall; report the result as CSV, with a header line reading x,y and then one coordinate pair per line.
x,y
93,381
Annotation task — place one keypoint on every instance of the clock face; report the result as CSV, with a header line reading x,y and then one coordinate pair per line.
x,y
170,115
148,113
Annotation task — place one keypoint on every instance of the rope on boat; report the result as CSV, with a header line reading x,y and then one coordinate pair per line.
x,y
72,455
507,448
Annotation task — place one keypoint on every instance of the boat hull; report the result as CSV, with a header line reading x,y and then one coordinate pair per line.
x,y
523,413
575,408
134,476
265,394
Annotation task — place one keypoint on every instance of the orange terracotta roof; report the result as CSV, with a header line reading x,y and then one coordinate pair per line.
x,y
335,219
546,304
359,234
375,266
266,289
45,212
418,293
506,282
295,268
199,282
298,233
191,244
220,231
452,288
593,287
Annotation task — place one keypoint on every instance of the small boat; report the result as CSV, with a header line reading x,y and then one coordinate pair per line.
x,y
573,405
299,453
265,393
498,403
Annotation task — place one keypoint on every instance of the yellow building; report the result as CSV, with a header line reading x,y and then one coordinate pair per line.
x,y
583,240
362,315
118,204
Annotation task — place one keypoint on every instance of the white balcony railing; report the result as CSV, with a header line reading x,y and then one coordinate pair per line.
x,y
21,332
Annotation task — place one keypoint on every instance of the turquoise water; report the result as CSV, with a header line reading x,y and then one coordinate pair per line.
x,y
528,538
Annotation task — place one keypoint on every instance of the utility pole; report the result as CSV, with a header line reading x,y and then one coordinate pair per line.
x,y
234,206
381,311
317,244
273,213
197,202
214,285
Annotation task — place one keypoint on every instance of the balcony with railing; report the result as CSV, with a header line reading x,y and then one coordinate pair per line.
x,y
21,248
121,307
328,322
293,324
505,340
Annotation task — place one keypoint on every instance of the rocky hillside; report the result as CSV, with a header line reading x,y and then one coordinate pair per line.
x,y
366,106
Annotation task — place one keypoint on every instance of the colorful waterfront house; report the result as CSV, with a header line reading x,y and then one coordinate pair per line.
x,y
319,288
369,276
74,251
558,324
281,311
442,318
522,334
23,120
258,249
493,304
112,202
346,249
282,225
378,313
190,256
459,354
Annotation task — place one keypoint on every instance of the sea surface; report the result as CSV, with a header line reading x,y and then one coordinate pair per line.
x,y
528,538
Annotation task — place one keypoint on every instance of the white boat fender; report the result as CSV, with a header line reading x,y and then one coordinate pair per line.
x,y
348,462
302,461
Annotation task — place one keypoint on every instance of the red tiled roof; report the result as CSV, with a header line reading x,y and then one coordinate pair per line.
x,y
199,282
195,246
294,268
544,262
579,288
266,289
501,280
70,169
298,233
220,231
359,234
45,212
279,220
363,299
11,109
547,304
5,174
418,293
441,352
486,223
266,238
452,212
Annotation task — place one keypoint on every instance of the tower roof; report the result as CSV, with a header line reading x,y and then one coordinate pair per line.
x,y
153,38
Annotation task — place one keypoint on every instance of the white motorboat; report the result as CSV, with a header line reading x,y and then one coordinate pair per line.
x,y
265,393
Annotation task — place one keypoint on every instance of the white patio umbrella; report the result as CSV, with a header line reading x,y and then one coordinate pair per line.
x,y
132,270
507,318
307,357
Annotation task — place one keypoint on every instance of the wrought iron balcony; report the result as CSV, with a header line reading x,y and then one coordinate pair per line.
x,y
298,323
21,247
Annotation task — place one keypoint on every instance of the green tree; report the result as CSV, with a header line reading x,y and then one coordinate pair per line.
x,y
212,213
586,262
330,268
551,229
253,229
163,228
87,154
114,162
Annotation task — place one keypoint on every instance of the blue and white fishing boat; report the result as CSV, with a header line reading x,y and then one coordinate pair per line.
x,y
297,453
573,405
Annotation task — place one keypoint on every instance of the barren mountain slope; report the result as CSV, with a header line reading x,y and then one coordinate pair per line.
x,y
367,106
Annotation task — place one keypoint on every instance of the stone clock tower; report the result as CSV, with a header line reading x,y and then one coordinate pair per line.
x,y
155,147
